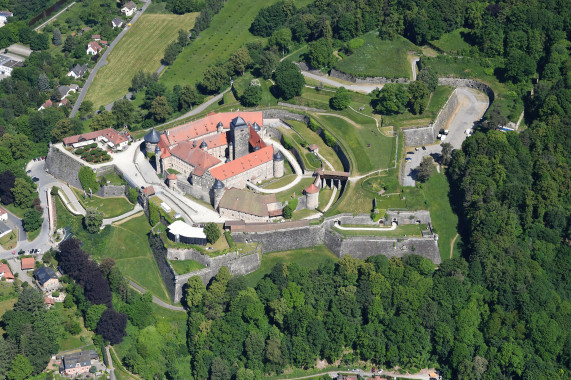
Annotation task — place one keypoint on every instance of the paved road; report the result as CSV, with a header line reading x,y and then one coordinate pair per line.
x,y
156,300
57,14
102,61
110,361
471,107
15,222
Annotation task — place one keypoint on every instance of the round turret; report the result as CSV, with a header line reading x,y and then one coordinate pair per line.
x,y
218,185
312,196
157,150
218,191
153,137
157,159
220,127
256,127
203,145
278,164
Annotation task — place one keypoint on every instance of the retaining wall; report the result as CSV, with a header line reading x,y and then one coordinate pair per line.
x,y
193,191
368,80
283,114
111,191
63,167
283,240
408,217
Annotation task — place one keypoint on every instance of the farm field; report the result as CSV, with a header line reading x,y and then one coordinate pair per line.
x,y
142,48
227,32
379,58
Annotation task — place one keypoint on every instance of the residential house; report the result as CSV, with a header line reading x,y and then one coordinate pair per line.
x,y
64,102
3,215
4,229
48,302
111,137
28,263
78,362
4,17
5,273
66,90
47,103
47,279
93,48
129,9
7,64
117,22
96,37
77,71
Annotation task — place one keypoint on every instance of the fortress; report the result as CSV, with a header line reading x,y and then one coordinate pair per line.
x,y
221,151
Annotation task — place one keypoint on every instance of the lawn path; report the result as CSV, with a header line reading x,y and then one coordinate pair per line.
x,y
156,300
452,245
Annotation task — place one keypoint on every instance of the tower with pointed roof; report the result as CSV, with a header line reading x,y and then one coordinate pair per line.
x,y
240,135
218,191
278,164
151,140
158,159
312,196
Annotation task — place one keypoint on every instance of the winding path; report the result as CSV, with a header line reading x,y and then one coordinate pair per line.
x,y
50,20
156,300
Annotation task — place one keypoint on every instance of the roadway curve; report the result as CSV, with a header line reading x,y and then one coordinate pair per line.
x,y
102,61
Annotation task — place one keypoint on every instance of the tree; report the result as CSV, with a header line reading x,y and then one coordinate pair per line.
x,y
320,54
519,65
289,80
85,108
281,39
288,211
212,232
418,97
140,80
103,120
252,96
425,169
341,99
195,291
92,220
188,98
7,182
30,300
215,78
391,99
123,111
428,76
40,41
240,61
32,220
171,52
93,315
112,326
64,127
268,63
43,83
160,109
182,38
69,44
21,368
56,39
88,179
446,153
24,193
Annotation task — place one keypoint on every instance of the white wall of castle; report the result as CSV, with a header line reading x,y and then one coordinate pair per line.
x,y
237,215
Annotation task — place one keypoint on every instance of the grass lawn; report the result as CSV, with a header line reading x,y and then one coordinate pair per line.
x,y
297,190
227,32
453,42
32,235
142,48
186,266
444,221
11,239
367,148
407,119
110,207
19,212
310,162
276,184
379,58
306,257
402,230
310,97
113,179
313,138
297,215
324,197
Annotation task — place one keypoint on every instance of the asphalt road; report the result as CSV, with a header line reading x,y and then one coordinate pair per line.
x,y
102,61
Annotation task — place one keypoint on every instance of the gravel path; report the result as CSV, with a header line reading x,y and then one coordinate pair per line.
x,y
156,300
50,20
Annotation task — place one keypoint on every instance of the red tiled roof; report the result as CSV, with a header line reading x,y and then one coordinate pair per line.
x,y
28,263
164,145
313,147
6,270
209,124
256,140
243,163
194,156
149,190
2,211
94,46
219,139
312,189
48,301
109,133
64,101
96,36
48,103
171,176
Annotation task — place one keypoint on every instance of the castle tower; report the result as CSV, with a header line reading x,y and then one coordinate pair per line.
x,y
312,196
220,127
258,129
203,146
151,140
172,181
278,164
240,136
230,150
158,159
218,191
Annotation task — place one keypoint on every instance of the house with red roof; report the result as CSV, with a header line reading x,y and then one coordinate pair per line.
x,y
3,215
113,139
6,273
48,103
93,48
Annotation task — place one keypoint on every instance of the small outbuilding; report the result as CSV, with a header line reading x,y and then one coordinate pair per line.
x,y
182,232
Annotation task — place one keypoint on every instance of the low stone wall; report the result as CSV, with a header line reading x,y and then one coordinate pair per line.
x,y
107,170
63,167
283,240
369,80
471,83
283,114
408,217
301,108
238,264
111,191
445,113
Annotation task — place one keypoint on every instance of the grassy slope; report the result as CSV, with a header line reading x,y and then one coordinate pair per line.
x,y
379,58
452,42
227,32
185,266
140,49
307,258
110,207
313,138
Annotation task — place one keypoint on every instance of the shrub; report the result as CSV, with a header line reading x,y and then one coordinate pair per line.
x,y
313,125
286,143
212,232
88,179
329,139
133,194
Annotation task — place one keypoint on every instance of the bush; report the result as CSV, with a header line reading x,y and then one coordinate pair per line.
x,y
133,194
88,179
54,191
313,125
212,232
329,139
286,143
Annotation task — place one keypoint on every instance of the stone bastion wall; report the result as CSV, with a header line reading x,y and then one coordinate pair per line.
x,y
369,80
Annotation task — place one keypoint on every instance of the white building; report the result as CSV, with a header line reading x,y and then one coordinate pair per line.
x,y
3,215
4,17
129,9
7,64
93,48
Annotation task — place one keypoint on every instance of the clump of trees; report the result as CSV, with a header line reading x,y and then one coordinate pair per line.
x,y
289,80
212,232
341,99
88,179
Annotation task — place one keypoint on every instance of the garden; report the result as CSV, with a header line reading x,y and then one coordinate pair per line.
x,y
92,153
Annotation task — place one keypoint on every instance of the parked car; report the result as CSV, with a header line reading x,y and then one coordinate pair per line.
x,y
35,179
28,171
409,152
423,147
408,159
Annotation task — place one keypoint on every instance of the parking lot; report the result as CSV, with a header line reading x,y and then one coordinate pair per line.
x,y
471,107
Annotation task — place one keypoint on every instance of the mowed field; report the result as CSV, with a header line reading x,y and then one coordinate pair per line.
x,y
227,32
142,48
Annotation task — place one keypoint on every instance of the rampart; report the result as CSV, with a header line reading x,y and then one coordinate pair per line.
x,y
106,191
368,80
63,167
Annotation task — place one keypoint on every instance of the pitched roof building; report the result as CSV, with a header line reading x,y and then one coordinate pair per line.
x,y
248,206
108,135
28,263
6,273
78,362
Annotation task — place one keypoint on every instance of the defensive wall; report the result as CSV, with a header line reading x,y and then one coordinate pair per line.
x,y
368,80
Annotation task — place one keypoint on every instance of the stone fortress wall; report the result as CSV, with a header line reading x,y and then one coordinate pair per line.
x,y
369,80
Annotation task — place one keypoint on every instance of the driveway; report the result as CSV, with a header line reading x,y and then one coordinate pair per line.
x,y
102,61
23,275
471,107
